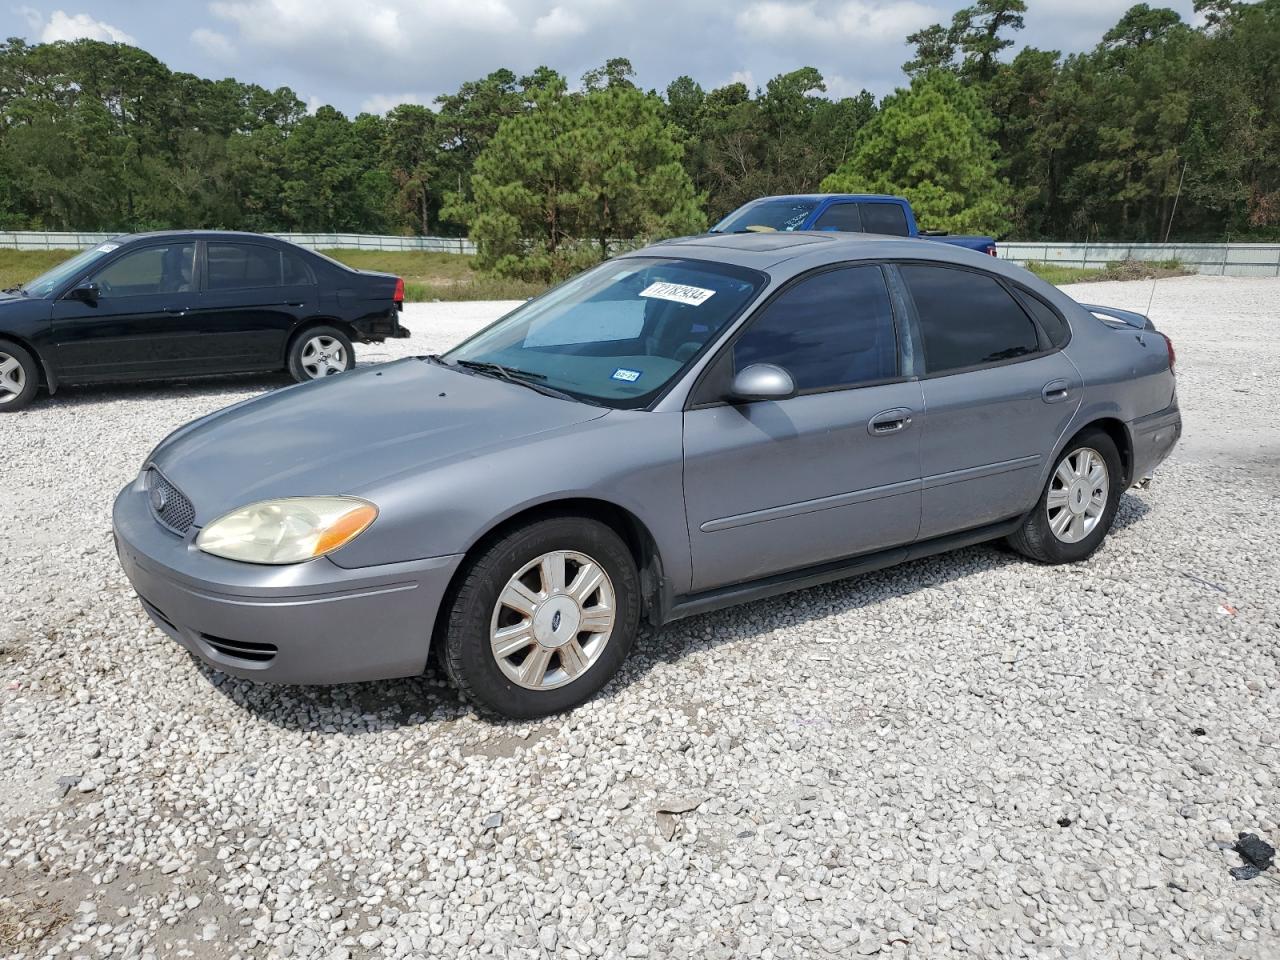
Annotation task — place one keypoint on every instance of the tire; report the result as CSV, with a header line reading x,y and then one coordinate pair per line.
x,y
551,663
1062,528
320,352
19,376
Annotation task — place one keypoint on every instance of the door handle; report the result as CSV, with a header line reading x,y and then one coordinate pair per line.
x,y
1056,391
889,421
295,303
176,311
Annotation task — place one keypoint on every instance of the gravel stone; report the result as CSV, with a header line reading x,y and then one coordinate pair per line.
x,y
882,763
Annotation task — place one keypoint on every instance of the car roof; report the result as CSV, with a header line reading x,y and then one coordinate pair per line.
x,y
195,235
785,254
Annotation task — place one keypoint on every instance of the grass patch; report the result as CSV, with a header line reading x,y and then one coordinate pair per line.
x,y
19,266
1116,270
427,276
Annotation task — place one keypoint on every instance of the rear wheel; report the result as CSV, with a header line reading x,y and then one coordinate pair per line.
x,y
1078,504
320,352
19,376
543,618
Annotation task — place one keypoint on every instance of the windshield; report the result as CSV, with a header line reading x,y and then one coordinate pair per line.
x,y
767,216
50,280
620,332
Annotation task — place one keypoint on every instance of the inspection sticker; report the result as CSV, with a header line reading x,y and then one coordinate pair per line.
x,y
678,293
625,375
108,247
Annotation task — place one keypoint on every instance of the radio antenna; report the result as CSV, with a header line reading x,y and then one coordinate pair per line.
x,y
1168,228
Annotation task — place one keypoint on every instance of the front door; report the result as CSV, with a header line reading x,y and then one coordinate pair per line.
x,y
140,324
832,472
998,397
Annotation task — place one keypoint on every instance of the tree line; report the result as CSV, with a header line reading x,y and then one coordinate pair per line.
x,y
1097,145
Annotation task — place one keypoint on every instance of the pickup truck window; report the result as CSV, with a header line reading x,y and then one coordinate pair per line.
x,y
767,216
885,218
840,216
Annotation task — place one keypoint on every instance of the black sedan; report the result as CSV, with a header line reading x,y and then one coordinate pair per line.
x,y
193,303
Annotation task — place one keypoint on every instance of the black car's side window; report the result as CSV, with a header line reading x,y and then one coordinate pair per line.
x,y
242,266
967,319
885,218
161,269
832,330
840,216
296,271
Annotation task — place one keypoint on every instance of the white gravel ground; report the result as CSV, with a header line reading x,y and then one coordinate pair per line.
x,y
969,755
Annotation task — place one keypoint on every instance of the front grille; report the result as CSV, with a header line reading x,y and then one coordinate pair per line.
x,y
169,505
242,649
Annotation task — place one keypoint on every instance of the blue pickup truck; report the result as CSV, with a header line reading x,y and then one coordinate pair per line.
x,y
848,212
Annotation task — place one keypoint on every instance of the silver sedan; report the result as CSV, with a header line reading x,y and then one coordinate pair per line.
x,y
697,424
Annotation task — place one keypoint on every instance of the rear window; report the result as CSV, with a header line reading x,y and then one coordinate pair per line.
x,y
242,266
885,218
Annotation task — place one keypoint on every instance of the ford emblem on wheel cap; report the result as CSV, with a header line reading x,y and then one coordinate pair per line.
x,y
555,622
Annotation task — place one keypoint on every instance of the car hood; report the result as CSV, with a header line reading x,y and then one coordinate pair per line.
x,y
345,434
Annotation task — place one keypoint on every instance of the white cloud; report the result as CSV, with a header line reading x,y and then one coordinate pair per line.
x,y
78,26
215,44
744,77
382,102
559,24
849,20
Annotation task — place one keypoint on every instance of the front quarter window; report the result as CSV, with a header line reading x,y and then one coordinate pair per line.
x,y
617,334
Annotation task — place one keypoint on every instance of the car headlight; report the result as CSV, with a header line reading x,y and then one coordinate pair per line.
x,y
289,530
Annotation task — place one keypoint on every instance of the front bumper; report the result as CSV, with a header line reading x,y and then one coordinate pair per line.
x,y
308,623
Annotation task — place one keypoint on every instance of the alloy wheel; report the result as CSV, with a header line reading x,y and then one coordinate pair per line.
x,y
13,379
323,356
552,620
1077,495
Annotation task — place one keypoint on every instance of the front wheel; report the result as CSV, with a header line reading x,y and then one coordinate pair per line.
x,y
543,618
320,352
19,377
1079,502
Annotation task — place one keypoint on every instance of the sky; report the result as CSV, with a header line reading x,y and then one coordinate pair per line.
x,y
372,54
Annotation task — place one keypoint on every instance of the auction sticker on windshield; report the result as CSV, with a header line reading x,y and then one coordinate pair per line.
x,y
678,293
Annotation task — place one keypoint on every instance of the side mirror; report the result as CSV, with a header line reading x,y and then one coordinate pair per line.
x,y
761,381
86,292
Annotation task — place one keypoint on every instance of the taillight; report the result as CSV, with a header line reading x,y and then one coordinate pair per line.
x,y
398,296
991,251
1173,356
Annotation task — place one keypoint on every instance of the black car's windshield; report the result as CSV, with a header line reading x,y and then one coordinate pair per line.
x,y
50,280
767,216
619,333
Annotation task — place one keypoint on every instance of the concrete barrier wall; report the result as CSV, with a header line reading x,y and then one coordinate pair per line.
x,y
1216,259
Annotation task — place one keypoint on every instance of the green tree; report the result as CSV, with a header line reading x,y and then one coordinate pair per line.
x,y
931,143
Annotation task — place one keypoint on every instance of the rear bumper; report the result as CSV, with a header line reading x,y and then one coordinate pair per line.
x,y
1154,437
310,623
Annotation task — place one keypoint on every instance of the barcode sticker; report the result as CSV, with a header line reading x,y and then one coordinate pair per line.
x,y
678,293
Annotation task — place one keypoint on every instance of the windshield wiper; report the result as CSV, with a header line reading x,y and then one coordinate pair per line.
x,y
525,378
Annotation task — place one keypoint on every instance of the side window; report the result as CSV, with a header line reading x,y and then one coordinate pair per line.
x,y
886,218
967,319
1048,318
840,216
832,330
296,271
242,266
163,269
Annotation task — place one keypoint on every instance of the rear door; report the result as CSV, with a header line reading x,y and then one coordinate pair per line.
x,y
141,324
830,473
254,294
998,394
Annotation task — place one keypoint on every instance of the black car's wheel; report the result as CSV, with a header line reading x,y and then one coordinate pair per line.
x,y
19,376
320,352
1078,504
543,618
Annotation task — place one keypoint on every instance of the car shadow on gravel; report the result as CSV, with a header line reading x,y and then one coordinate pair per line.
x,y
374,707
99,394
